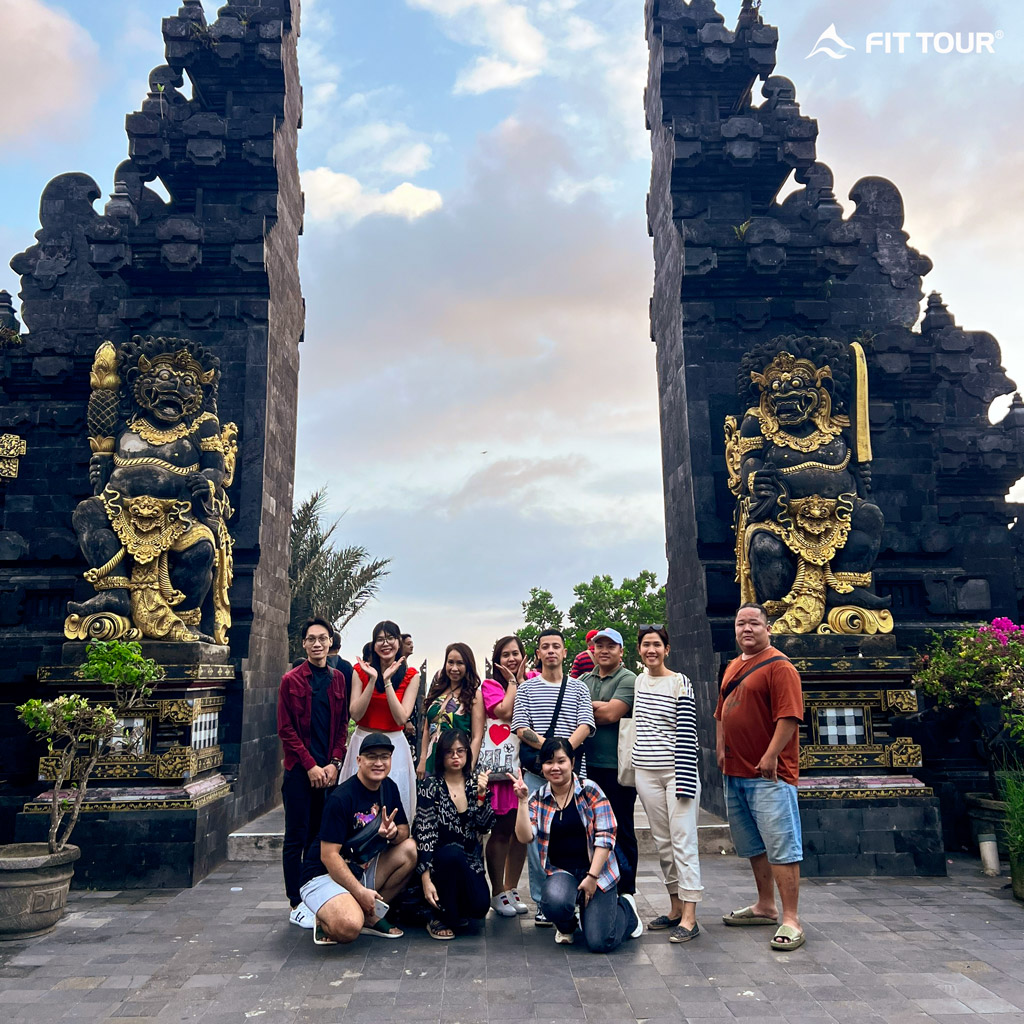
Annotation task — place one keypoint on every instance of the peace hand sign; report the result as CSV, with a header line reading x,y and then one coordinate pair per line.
x,y
388,828
519,787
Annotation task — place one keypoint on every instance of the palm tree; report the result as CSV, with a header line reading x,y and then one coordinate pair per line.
x,y
333,583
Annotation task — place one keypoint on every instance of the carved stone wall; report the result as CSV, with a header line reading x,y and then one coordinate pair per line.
x,y
734,268
217,263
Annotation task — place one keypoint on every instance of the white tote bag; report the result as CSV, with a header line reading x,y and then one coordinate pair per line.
x,y
627,737
499,751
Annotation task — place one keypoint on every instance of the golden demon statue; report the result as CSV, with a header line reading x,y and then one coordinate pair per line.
x,y
807,534
154,533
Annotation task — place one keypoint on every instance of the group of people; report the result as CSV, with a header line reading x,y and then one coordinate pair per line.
x,y
534,765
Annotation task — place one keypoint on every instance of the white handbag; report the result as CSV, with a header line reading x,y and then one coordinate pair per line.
x,y
499,751
627,737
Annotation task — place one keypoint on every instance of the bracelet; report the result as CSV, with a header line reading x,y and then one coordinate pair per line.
x,y
596,878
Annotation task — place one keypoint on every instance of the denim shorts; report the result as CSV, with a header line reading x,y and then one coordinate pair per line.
x,y
321,888
764,818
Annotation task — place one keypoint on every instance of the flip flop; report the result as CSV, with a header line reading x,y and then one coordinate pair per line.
x,y
320,937
787,937
747,916
436,930
383,929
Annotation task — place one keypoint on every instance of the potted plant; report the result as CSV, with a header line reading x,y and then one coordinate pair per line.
x,y
983,667
1013,796
35,877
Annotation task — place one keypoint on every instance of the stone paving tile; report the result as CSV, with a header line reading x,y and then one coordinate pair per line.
x,y
879,951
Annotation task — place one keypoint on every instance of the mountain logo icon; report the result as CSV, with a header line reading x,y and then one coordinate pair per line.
x,y
830,35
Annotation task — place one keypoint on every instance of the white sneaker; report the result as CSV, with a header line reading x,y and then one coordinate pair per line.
x,y
302,916
638,930
564,938
502,905
517,902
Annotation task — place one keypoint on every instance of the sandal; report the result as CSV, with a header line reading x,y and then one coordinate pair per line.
x,y
382,928
748,916
787,937
441,932
663,922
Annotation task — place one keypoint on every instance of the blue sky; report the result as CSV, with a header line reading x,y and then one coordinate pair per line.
x,y
477,383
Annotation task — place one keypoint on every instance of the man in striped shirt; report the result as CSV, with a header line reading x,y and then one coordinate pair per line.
x,y
533,720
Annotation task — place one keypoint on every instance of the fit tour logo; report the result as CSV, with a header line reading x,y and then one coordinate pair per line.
x,y
830,36
832,45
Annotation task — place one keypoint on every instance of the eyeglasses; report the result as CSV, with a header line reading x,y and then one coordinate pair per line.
x,y
386,639
314,640
377,758
647,627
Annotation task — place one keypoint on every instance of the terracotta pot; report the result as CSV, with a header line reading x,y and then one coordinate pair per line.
x,y
34,887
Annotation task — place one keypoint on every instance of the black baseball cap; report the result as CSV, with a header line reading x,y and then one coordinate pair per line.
x,y
376,741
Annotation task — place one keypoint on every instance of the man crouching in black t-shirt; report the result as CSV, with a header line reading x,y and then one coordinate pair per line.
x,y
364,852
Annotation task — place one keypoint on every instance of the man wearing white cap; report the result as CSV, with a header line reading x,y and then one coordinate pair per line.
x,y
611,688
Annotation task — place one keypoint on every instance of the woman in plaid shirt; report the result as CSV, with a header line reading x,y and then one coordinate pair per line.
x,y
574,827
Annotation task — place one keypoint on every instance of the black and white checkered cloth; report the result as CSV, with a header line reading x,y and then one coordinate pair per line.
x,y
204,730
841,727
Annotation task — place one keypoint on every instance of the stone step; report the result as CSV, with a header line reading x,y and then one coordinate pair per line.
x,y
263,838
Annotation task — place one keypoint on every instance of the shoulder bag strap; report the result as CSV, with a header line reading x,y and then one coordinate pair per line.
x,y
743,675
550,730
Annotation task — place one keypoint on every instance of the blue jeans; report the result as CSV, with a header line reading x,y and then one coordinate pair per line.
x,y
606,920
533,783
764,818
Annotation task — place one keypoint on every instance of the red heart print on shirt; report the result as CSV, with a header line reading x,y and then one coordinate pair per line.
x,y
499,733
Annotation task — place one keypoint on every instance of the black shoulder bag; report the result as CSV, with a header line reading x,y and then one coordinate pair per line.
x,y
362,847
743,675
529,759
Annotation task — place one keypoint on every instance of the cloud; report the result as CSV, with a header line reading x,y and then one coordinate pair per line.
x,y
518,50
331,196
50,62
487,73
381,148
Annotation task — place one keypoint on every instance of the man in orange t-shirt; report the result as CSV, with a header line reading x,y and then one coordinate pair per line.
x,y
758,748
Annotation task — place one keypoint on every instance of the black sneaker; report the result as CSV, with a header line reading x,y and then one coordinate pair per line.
x,y
541,921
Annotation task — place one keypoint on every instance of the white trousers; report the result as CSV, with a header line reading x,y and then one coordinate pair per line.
x,y
674,830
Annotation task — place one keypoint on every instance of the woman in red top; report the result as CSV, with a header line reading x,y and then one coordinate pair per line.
x,y
382,699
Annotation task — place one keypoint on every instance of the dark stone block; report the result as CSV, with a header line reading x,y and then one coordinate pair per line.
x,y
94,275
831,275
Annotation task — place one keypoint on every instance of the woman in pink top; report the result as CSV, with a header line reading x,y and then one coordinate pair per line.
x,y
505,854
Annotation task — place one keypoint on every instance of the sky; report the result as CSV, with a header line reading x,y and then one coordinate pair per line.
x,y
477,383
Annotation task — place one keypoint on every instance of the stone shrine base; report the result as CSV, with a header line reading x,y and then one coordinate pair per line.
x,y
154,838
870,825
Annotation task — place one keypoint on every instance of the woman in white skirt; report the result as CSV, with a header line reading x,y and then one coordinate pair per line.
x,y
664,756
382,699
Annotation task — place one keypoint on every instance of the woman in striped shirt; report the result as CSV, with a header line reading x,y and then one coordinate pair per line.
x,y
664,756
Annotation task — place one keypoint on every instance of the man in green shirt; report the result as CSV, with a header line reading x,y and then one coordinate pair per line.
x,y
611,689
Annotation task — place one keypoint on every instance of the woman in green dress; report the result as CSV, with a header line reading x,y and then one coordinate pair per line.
x,y
453,702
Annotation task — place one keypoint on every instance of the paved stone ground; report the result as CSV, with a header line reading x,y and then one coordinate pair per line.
x,y
878,950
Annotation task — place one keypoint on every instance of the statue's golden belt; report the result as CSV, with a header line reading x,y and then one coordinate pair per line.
x,y
152,460
814,527
145,525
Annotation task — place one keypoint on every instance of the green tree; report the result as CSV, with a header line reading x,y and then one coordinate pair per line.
x,y
599,604
333,583
540,613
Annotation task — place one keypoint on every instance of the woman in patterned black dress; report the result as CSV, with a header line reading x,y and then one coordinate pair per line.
x,y
453,813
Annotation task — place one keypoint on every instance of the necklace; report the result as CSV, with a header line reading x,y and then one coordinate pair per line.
x,y
562,806
154,435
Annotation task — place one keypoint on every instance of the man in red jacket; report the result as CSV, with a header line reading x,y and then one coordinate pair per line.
x,y
312,721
